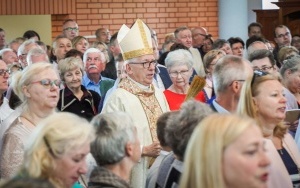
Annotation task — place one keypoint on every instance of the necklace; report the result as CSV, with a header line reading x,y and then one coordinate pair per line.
x,y
28,120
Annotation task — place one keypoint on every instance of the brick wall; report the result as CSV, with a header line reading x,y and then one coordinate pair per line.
x,y
164,16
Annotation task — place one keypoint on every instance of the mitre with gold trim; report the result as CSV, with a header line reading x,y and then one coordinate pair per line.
x,y
135,41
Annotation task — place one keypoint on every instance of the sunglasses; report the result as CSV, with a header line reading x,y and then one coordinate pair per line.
x,y
257,73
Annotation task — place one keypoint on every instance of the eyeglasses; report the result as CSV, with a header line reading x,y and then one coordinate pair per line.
x,y
176,73
4,71
256,74
263,69
236,81
48,83
71,29
284,35
147,65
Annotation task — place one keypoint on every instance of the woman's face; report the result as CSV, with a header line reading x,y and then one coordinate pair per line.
x,y
293,81
70,166
72,78
180,75
226,48
207,45
40,92
245,163
212,65
82,45
270,102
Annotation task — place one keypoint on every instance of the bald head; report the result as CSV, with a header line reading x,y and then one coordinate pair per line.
x,y
199,34
257,45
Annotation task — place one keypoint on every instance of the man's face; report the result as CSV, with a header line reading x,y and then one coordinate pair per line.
x,y
283,36
254,30
199,35
3,77
10,57
142,73
185,38
63,45
70,30
2,39
263,64
104,36
94,64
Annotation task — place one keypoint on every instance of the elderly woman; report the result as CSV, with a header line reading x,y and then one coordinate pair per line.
x,y
116,150
286,52
57,150
75,97
262,98
222,44
209,61
230,153
38,88
177,135
237,46
179,64
290,72
80,43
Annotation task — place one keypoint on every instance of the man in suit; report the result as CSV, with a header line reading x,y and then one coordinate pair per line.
x,y
229,75
110,69
183,35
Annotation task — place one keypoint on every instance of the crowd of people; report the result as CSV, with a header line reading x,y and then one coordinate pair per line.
x,y
116,112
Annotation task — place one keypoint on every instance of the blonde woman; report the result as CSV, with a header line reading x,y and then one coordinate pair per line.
x,y
38,88
230,153
209,61
262,98
57,150
80,43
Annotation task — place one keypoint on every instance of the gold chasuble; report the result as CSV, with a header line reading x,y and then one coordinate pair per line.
x,y
149,102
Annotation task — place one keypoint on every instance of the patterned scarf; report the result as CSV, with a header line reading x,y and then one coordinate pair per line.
x,y
149,102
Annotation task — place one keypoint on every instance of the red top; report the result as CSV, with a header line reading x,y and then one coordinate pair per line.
x,y
175,99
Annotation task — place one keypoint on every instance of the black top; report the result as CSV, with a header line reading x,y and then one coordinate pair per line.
x,y
86,107
289,163
110,70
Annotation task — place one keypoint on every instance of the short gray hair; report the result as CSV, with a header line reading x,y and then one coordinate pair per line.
x,y
36,52
93,50
228,69
22,47
179,57
3,51
292,64
180,127
68,64
113,131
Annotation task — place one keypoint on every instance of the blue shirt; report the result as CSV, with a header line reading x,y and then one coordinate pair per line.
x,y
90,85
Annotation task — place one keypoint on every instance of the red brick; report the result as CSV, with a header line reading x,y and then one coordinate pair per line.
x,y
105,10
211,4
211,24
119,10
162,5
139,10
83,11
139,5
149,5
214,19
129,5
82,28
182,14
171,10
94,11
186,19
213,9
94,5
150,15
116,16
162,9
192,5
214,14
95,22
81,5
83,1
84,22
116,5
81,16
105,5
129,15
152,10
119,21
105,16
94,16
152,20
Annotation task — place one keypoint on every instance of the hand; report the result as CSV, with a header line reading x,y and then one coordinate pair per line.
x,y
293,127
151,150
